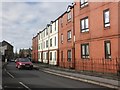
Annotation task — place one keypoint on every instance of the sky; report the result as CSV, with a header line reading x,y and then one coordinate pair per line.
x,y
23,20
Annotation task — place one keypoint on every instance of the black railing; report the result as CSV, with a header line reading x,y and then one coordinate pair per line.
x,y
100,65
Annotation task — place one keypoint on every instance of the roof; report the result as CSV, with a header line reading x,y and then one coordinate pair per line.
x,y
5,43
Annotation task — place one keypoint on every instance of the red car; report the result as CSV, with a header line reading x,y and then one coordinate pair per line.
x,y
24,63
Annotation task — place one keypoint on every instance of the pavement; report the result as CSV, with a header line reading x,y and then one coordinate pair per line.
x,y
110,81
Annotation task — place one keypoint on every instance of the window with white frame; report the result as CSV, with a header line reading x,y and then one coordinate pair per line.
x,y
85,51
106,18
55,25
46,55
51,42
69,55
46,32
61,38
83,3
46,43
39,36
55,56
69,16
50,28
84,24
50,55
69,35
41,46
55,41
107,49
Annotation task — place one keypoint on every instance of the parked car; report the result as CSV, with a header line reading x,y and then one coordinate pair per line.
x,y
12,60
24,63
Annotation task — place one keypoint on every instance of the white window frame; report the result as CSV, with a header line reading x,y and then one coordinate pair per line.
x,y
107,49
83,3
69,53
51,42
84,24
69,16
85,51
106,14
69,35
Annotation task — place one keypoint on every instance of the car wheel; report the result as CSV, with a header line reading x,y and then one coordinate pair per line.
x,y
31,68
19,67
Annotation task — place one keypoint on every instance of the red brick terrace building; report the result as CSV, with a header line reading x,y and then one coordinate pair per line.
x,y
97,36
89,36
35,48
66,39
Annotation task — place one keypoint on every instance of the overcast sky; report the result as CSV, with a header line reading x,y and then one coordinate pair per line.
x,y
22,20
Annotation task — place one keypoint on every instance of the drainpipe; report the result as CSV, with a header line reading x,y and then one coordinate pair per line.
x,y
73,35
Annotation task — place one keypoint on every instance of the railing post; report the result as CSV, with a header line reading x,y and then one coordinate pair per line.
x,y
92,64
118,66
103,65
83,65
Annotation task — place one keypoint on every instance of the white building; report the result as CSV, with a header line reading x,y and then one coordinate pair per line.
x,y
53,45
40,49
45,45
48,44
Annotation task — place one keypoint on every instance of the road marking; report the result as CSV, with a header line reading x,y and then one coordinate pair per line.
x,y
24,85
10,74
84,80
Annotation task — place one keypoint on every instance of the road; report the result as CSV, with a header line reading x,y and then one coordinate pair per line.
x,y
36,79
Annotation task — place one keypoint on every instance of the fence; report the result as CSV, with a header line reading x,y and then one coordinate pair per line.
x,y
93,65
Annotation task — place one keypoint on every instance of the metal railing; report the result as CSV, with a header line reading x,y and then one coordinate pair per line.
x,y
100,65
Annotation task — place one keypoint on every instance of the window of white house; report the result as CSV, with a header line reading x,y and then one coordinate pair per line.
x,y
46,55
106,18
39,36
69,16
46,32
69,35
55,25
84,25
85,51
55,41
83,3
55,56
46,43
50,28
50,55
61,38
69,55
51,42
41,46
107,49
